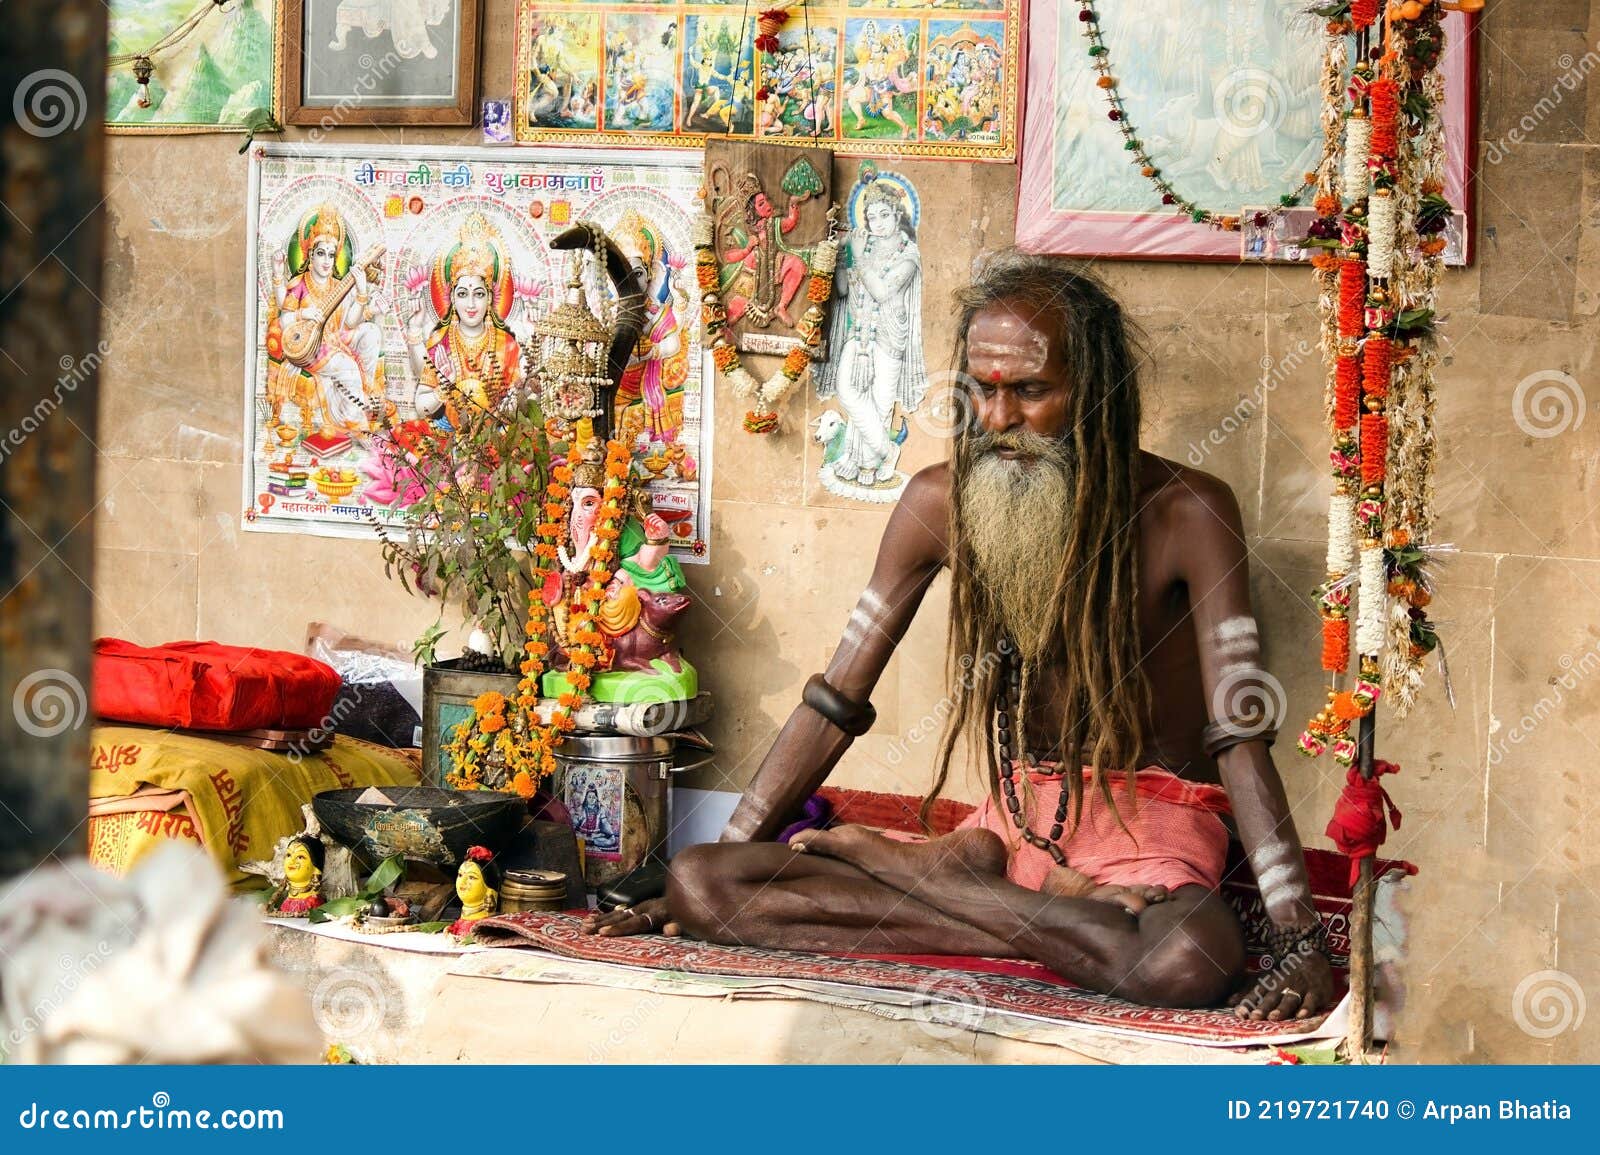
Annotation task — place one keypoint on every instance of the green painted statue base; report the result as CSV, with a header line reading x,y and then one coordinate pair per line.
x,y
627,687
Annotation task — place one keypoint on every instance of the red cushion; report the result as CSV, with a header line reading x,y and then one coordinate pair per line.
x,y
209,686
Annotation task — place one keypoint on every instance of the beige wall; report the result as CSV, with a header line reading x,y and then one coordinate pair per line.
x,y
1499,812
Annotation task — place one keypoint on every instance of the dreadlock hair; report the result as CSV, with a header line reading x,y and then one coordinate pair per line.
x,y
1093,633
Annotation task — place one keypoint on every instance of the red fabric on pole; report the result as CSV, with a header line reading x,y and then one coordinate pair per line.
x,y
209,686
1357,826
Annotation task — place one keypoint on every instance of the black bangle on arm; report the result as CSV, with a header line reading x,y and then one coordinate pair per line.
x,y
1230,732
854,718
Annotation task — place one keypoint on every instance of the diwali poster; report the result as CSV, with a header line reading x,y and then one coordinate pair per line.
x,y
881,77
192,65
353,238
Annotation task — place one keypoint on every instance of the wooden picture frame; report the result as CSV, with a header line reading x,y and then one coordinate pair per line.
x,y
378,56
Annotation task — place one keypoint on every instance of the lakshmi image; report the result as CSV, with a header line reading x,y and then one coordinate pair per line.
x,y
302,870
478,884
659,366
875,347
471,357
327,309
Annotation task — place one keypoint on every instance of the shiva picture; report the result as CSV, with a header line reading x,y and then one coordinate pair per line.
x,y
641,63
564,71
324,341
875,364
594,797
718,89
965,80
800,85
880,78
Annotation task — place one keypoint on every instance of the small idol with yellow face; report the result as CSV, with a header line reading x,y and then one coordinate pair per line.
x,y
302,873
478,888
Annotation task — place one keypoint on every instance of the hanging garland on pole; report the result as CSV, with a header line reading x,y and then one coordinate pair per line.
x,y
1379,244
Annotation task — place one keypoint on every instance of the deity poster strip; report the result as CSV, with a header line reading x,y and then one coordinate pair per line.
x,y
332,353
769,209
867,77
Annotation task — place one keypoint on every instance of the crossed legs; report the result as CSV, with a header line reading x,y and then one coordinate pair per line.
x,y
851,890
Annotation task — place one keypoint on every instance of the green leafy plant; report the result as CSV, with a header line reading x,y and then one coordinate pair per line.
x,y
390,871
476,486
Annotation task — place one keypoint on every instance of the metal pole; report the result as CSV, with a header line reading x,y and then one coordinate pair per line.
x,y
52,160
1359,1036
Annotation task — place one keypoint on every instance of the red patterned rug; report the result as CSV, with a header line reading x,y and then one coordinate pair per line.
x,y
971,986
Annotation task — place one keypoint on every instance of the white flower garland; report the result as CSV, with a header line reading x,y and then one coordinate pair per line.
x,y
1383,210
1372,609
1357,150
766,395
1341,534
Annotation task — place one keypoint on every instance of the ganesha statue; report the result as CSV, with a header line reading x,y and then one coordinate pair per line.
x,y
644,597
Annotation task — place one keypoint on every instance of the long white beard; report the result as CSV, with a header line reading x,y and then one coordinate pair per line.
x,y
1015,517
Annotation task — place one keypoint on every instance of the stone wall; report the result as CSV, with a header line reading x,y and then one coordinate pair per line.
x,y
1496,791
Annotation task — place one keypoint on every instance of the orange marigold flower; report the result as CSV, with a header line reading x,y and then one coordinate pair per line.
x,y
820,289
570,701
795,362
579,681
492,723
546,551
489,702
524,784
725,356
562,473
1345,706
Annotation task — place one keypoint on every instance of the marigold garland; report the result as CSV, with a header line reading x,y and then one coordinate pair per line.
x,y
526,746
769,394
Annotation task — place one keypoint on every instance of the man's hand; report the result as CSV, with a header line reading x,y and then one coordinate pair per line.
x,y
1297,988
649,917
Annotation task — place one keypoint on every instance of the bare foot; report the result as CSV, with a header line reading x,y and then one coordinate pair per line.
x,y
969,851
1132,899
1064,882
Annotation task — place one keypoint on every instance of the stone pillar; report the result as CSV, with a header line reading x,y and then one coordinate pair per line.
x,y
52,160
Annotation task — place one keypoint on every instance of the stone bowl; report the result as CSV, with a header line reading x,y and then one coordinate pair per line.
x,y
425,823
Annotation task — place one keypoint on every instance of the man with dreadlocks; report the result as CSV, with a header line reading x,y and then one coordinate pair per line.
x,y
1106,661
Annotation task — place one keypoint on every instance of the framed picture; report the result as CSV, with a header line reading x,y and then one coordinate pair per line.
x,y
174,67
935,78
1224,93
381,61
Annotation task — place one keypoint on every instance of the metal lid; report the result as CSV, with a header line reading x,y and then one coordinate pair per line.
x,y
614,748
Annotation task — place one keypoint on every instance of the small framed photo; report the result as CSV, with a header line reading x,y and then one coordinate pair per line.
x,y
381,61
497,122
